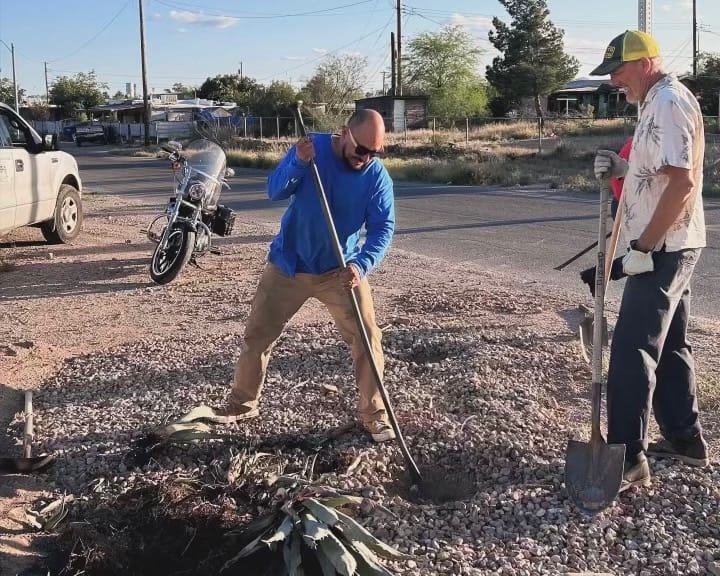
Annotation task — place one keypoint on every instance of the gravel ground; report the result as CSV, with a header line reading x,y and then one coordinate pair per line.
x,y
483,370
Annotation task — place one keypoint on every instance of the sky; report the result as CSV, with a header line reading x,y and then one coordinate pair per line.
x,y
188,41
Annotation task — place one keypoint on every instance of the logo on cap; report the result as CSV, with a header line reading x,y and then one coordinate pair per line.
x,y
609,52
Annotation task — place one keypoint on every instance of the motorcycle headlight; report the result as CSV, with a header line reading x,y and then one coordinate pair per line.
x,y
196,191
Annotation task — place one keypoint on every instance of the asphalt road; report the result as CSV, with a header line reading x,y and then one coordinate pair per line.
x,y
524,231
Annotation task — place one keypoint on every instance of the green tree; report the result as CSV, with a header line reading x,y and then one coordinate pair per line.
x,y
7,92
532,60
278,99
183,92
230,88
443,66
707,83
337,81
82,91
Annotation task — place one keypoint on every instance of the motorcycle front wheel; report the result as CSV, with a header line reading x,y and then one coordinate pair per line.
x,y
170,257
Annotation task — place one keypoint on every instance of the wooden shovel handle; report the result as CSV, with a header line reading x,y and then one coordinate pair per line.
x,y
612,247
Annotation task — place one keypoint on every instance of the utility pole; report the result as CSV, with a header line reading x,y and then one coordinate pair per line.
x,y
383,88
15,86
47,87
695,37
393,65
146,104
399,51
240,71
645,16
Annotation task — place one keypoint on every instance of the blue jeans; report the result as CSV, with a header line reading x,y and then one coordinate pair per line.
x,y
650,357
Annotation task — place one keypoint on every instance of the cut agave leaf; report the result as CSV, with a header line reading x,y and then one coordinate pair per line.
x,y
325,564
184,431
281,533
246,551
368,564
199,413
341,500
354,532
312,528
259,525
341,558
320,511
291,554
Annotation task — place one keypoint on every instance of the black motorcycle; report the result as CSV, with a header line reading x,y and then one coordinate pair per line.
x,y
193,214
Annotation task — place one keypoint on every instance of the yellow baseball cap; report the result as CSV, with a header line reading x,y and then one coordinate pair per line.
x,y
630,45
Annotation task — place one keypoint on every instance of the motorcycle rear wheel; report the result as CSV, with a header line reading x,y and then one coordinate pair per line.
x,y
168,263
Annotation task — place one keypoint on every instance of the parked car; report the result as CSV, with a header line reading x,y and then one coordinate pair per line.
x,y
90,132
39,184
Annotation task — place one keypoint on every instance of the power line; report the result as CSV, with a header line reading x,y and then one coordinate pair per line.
x,y
95,35
195,9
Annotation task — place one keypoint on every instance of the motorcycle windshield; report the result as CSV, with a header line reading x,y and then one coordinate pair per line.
x,y
206,161
206,158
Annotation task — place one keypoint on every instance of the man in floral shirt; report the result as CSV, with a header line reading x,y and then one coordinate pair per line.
x,y
651,362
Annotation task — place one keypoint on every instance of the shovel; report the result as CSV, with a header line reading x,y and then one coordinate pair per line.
x,y
411,466
587,323
594,470
28,462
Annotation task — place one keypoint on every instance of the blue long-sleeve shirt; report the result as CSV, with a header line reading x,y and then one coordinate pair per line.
x,y
356,198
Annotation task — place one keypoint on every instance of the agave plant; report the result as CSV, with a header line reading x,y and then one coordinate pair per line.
x,y
310,535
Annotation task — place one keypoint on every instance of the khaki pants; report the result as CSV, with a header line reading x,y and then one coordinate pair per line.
x,y
277,299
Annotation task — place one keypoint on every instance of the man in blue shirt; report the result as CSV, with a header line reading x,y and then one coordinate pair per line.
x,y
302,263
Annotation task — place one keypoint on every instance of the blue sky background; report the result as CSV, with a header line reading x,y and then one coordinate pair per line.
x,y
190,40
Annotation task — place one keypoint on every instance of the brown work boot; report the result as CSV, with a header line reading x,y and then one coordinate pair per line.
x,y
231,414
636,473
380,430
692,452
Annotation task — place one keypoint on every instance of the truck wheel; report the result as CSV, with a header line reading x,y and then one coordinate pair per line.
x,y
67,221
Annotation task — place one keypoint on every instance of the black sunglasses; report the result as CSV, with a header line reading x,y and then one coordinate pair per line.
x,y
361,150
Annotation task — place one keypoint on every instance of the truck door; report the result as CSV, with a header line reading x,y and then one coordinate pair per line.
x,y
7,180
34,196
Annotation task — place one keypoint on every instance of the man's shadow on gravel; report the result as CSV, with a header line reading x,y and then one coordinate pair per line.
x,y
49,278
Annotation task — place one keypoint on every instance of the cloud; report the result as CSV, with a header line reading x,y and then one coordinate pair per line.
x,y
320,50
294,58
200,19
182,30
475,25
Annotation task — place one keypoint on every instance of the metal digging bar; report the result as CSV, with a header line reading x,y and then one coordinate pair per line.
x,y
28,462
594,470
582,252
411,466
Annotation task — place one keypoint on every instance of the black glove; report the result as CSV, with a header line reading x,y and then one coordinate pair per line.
x,y
616,272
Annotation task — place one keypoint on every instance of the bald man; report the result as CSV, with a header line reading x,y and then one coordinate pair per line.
x,y
302,262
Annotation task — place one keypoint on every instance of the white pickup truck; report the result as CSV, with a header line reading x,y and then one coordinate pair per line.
x,y
39,184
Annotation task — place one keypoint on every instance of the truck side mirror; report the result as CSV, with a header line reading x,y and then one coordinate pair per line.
x,y
50,142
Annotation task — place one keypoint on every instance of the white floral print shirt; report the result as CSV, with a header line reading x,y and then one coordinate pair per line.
x,y
670,132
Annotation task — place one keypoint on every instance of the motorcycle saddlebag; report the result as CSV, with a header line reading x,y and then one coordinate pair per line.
x,y
223,222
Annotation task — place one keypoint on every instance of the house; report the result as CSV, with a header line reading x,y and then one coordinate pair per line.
x,y
399,112
576,96
164,108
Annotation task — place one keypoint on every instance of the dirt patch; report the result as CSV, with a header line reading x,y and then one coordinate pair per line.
x,y
61,304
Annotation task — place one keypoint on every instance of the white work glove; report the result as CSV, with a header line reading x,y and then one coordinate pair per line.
x,y
636,261
609,165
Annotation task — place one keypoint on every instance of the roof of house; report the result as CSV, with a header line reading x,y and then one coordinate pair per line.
x,y
586,85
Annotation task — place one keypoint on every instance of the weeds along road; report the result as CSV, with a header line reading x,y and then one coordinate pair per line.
x,y
527,231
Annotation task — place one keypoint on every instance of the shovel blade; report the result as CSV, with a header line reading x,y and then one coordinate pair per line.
x,y
25,465
593,473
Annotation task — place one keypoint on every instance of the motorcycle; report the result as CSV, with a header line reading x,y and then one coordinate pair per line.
x,y
193,214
